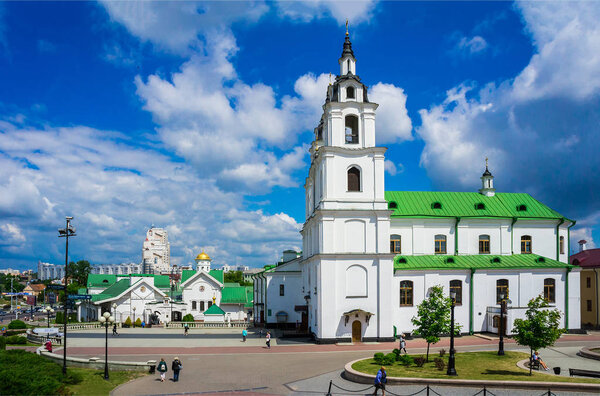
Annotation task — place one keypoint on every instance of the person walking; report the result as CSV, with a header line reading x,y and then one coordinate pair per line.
x,y
115,330
176,366
186,329
244,334
402,343
162,369
380,381
268,338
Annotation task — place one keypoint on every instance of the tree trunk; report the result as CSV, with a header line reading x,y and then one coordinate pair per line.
x,y
530,360
427,358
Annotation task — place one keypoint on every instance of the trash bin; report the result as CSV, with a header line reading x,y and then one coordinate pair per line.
x,y
152,369
556,370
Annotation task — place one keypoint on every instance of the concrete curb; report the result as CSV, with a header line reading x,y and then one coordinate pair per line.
x,y
96,363
356,376
588,353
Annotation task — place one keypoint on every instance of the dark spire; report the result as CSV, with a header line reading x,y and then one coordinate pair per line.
x,y
487,172
347,44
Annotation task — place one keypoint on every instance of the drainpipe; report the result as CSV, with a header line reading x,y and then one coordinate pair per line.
x,y
471,287
596,301
558,238
567,300
456,236
514,220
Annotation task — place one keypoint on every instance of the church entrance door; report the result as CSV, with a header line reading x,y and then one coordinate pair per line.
x,y
356,331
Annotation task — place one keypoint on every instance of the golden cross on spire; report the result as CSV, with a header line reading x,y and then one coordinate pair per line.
x,y
486,162
330,78
346,27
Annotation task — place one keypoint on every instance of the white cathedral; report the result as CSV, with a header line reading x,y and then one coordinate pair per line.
x,y
370,256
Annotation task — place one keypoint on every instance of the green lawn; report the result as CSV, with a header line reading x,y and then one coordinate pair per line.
x,y
93,382
471,365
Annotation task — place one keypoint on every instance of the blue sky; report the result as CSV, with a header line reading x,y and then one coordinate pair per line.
x,y
197,116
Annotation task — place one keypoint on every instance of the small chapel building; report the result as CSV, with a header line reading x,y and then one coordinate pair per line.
x,y
370,256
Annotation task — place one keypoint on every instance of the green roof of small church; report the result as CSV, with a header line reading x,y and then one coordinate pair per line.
x,y
214,310
236,294
187,274
97,280
217,274
113,290
468,262
467,204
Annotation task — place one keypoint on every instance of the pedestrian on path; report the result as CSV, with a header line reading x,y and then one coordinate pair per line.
x,y
162,369
244,334
176,366
268,338
402,343
260,333
380,381
186,329
115,330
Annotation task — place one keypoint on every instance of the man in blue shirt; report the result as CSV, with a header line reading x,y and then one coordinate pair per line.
x,y
380,380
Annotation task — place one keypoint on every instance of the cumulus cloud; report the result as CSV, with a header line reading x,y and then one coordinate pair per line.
x,y
471,45
539,129
393,123
305,11
116,189
392,168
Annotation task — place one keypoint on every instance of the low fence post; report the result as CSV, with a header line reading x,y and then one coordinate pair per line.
x,y
549,393
484,391
427,390
329,390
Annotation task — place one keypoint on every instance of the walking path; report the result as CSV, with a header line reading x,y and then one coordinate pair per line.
x,y
217,361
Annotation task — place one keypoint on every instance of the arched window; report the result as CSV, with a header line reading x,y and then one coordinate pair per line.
x,y
484,244
395,244
348,64
562,244
456,287
351,129
350,93
356,281
549,290
406,293
501,290
479,206
440,244
353,179
436,205
526,244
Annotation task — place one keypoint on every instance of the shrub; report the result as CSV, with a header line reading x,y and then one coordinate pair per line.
x,y
188,318
31,374
14,332
406,360
17,324
2,343
389,359
442,352
378,357
439,363
16,340
419,361
138,322
127,322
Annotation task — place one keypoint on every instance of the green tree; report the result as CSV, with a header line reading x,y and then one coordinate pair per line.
x,y
540,329
79,271
188,318
138,322
236,277
433,316
127,322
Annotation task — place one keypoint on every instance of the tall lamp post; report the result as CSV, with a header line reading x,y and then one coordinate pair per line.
x,y
106,320
501,325
451,363
66,232
48,310
133,316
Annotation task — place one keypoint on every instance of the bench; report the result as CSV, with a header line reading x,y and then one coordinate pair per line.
x,y
534,364
584,373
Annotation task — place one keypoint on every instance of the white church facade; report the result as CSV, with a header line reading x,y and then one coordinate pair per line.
x,y
370,256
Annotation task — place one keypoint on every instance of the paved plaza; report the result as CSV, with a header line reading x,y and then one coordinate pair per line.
x,y
217,361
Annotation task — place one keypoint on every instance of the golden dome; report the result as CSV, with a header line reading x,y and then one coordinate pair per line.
x,y
203,256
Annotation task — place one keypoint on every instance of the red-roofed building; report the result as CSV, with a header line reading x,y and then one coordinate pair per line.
x,y
589,261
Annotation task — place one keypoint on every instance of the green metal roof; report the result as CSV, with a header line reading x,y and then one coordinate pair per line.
x,y
439,262
186,274
464,204
97,280
233,295
217,274
162,281
214,310
113,290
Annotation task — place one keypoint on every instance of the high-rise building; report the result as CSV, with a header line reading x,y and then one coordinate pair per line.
x,y
156,251
50,271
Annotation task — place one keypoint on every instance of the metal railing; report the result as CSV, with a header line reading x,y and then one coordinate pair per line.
x,y
427,389
200,325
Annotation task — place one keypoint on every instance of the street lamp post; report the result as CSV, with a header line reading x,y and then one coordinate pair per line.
x,y
451,363
66,232
114,311
501,325
133,316
106,320
48,310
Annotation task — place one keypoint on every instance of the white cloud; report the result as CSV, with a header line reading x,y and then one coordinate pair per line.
x,y
115,190
305,11
472,45
392,168
540,129
393,123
